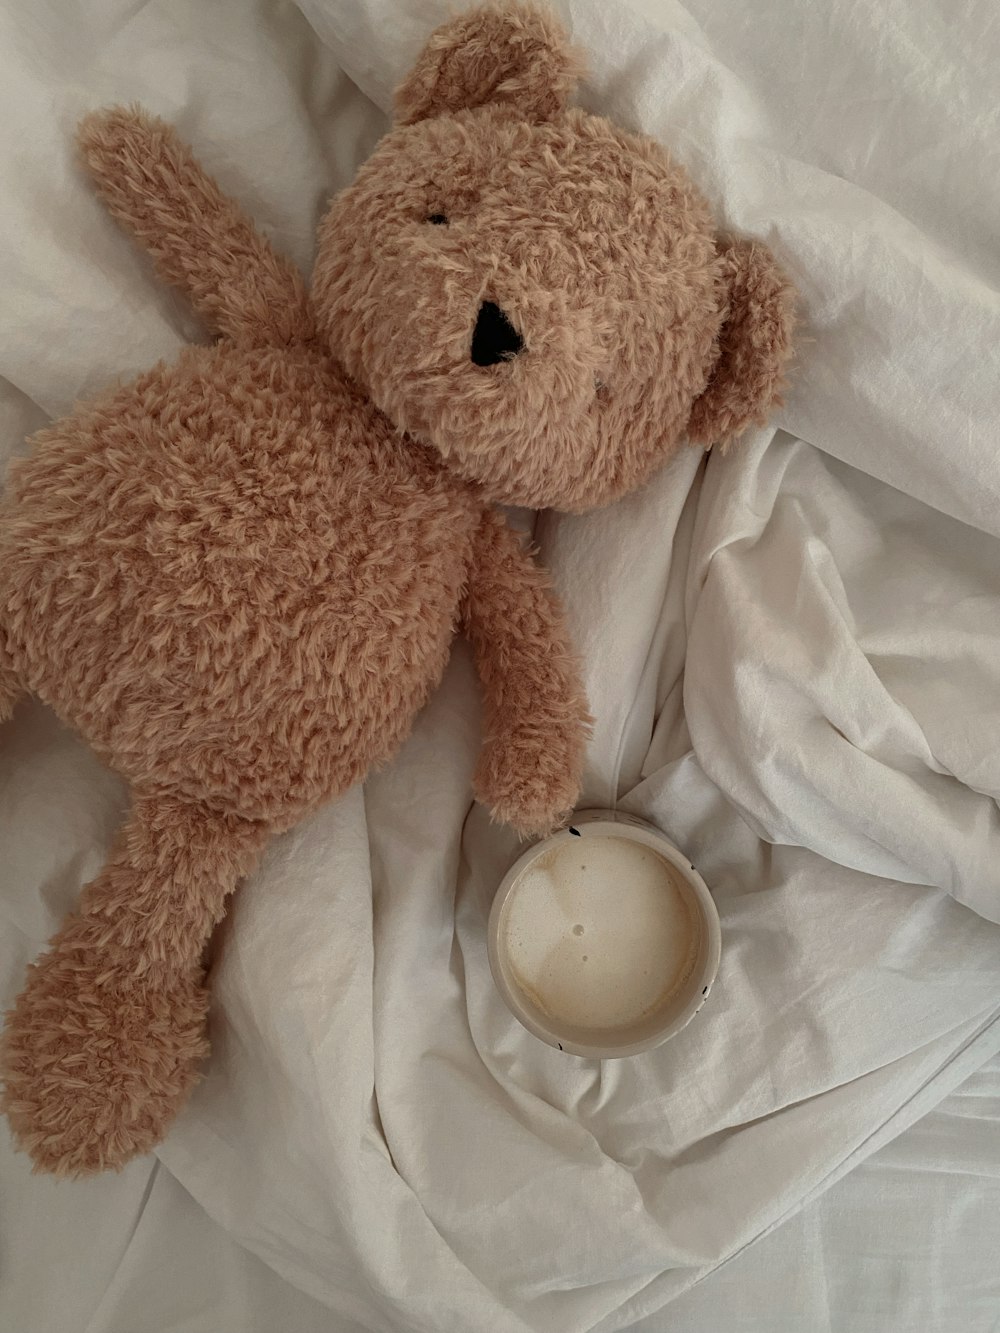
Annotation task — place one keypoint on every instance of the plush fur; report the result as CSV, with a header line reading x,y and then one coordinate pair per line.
x,y
239,576
117,1007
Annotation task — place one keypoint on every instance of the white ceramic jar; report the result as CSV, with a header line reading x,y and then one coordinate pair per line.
x,y
604,940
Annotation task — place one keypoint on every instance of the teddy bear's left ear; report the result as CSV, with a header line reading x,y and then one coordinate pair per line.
x,y
509,53
754,345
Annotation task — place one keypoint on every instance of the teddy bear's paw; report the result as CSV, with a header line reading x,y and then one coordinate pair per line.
x,y
97,1062
532,793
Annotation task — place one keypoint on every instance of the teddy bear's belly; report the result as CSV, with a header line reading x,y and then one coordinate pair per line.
x,y
254,634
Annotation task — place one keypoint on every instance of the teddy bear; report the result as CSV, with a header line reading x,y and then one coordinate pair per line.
x,y
239,576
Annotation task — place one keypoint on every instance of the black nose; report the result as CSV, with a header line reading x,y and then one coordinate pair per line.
x,y
494,337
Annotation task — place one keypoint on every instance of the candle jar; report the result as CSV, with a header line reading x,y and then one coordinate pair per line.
x,y
604,940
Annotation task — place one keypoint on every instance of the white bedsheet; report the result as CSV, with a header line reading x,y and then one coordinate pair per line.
x,y
902,1243
791,652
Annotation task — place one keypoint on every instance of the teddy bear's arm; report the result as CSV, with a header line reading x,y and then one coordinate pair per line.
x,y
535,711
199,239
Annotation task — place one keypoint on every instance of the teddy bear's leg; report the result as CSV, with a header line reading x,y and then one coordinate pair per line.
x,y
103,1045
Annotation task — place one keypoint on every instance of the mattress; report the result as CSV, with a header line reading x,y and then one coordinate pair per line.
x,y
791,655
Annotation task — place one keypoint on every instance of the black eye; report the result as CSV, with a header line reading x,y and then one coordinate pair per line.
x,y
438,220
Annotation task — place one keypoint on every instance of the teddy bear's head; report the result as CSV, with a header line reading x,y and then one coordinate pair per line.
x,y
534,293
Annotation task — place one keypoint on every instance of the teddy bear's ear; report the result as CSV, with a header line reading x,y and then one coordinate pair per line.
x,y
508,53
754,345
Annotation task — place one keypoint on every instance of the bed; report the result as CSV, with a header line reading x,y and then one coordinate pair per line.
x,y
791,655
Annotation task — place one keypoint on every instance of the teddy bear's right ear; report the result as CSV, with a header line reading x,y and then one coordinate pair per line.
x,y
755,345
508,53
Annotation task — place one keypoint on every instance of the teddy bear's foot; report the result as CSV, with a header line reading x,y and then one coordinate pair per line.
x,y
103,1045
97,1063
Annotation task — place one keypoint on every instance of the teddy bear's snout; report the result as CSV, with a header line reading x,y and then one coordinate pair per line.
x,y
494,338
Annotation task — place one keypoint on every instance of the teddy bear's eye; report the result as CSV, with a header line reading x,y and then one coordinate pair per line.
x,y
438,219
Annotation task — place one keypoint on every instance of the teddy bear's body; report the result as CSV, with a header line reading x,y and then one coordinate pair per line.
x,y
235,578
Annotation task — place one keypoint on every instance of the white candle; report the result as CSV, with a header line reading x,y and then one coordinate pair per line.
x,y
603,940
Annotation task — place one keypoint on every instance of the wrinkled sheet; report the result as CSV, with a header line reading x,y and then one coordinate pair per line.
x,y
791,653
905,1241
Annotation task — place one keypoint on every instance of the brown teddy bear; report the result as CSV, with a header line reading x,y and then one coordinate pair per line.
x,y
239,576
